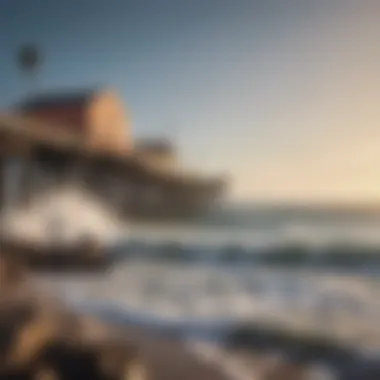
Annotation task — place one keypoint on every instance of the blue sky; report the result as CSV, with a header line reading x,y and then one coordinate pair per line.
x,y
281,94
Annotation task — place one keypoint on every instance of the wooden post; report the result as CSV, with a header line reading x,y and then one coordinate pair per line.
x,y
2,182
26,183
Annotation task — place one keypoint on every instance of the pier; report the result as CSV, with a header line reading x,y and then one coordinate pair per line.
x,y
42,156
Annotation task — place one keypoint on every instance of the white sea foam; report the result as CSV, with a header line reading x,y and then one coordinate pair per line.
x,y
61,215
184,294
199,298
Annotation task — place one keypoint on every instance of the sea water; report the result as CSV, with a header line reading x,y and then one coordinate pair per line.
x,y
195,290
205,290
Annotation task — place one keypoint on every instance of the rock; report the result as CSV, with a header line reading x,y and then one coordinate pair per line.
x,y
40,337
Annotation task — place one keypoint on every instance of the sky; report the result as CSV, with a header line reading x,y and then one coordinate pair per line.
x,y
282,95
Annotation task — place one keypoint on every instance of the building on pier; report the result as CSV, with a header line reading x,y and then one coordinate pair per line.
x,y
88,134
98,117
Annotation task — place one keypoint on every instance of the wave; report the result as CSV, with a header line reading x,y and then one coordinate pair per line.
x,y
207,302
337,257
62,215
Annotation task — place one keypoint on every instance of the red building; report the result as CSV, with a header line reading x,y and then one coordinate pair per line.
x,y
99,117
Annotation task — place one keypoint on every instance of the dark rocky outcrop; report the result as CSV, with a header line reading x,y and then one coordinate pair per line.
x,y
41,338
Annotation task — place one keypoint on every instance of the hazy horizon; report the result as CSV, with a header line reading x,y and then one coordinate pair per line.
x,y
281,95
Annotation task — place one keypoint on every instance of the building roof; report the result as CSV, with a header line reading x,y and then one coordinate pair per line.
x,y
58,98
18,127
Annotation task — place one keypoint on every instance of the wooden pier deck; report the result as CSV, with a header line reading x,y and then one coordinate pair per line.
x,y
124,181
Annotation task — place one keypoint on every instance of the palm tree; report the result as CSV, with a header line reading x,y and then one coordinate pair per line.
x,y
29,61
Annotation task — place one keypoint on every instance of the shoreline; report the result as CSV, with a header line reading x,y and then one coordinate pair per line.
x,y
196,298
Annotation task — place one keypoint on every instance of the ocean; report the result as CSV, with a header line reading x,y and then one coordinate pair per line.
x,y
341,240
306,271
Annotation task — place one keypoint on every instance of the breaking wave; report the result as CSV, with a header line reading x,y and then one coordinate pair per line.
x,y
61,215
